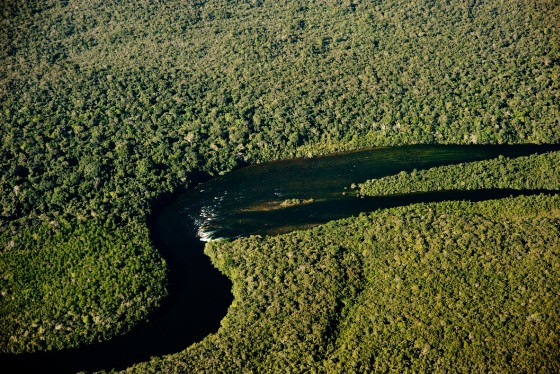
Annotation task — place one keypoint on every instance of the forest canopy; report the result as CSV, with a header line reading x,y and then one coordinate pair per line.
x,y
67,286
107,107
453,286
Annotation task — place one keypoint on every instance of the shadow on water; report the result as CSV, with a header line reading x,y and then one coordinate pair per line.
x,y
225,207
307,216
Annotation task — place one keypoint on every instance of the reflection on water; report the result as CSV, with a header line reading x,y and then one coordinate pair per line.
x,y
261,199
285,195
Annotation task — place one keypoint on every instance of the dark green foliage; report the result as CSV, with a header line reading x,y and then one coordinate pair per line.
x,y
66,286
106,105
531,172
454,286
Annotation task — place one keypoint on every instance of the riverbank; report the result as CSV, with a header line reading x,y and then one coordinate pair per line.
x,y
218,209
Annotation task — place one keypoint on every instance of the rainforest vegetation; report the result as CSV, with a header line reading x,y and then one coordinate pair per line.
x,y
521,173
446,287
106,106
76,283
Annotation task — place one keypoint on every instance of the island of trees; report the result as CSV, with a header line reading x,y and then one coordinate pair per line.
x,y
521,173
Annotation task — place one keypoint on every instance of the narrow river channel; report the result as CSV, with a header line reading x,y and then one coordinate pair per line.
x,y
245,202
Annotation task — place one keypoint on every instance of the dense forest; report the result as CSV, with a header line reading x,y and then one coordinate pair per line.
x,y
108,104
75,284
445,287
107,107
520,173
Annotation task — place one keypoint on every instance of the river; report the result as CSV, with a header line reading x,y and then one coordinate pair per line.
x,y
263,199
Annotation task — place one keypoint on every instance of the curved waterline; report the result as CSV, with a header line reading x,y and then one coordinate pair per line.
x,y
263,199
